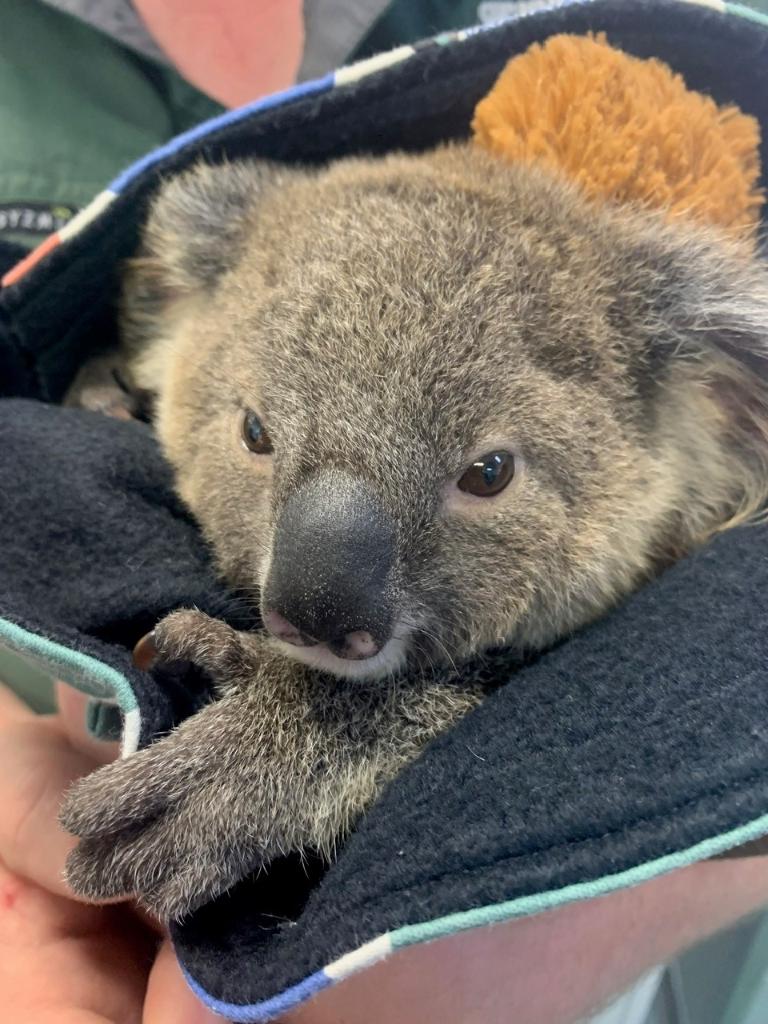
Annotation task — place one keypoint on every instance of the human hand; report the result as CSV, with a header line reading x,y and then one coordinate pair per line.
x,y
61,961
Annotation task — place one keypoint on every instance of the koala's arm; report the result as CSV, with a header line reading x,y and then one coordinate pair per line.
x,y
285,760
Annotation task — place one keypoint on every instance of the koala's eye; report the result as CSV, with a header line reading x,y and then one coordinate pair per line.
x,y
488,475
255,435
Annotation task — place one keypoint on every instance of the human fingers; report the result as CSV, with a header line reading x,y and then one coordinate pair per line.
x,y
37,764
71,719
62,961
12,708
169,999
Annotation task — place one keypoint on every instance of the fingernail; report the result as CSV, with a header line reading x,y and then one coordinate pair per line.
x,y
145,652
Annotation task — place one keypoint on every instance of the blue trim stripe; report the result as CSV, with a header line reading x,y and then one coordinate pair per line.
x,y
278,99
261,1013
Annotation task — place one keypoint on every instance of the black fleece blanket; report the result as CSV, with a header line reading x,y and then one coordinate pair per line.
x,y
636,746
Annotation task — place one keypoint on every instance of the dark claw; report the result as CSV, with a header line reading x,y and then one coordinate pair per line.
x,y
145,652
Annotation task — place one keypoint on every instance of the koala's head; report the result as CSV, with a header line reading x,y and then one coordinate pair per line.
x,y
427,405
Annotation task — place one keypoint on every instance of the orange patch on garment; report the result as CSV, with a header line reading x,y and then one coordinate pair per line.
x,y
627,130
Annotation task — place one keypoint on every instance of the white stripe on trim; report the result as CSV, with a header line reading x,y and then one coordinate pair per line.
x,y
366,955
716,5
363,68
86,215
131,731
492,13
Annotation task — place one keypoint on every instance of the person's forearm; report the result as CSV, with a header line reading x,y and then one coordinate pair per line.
x,y
553,968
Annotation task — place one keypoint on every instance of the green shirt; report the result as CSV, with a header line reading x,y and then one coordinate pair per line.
x,y
75,108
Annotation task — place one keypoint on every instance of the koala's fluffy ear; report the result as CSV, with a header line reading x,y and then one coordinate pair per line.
x,y
700,301
198,221
705,318
195,232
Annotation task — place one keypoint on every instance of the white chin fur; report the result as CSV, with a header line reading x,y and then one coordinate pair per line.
x,y
389,659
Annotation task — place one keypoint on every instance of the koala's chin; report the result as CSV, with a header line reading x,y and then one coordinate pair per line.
x,y
390,660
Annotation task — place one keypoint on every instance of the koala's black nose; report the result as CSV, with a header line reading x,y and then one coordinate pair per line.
x,y
332,558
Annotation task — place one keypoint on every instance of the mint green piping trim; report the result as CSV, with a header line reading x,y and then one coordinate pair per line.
x,y
742,11
79,670
528,905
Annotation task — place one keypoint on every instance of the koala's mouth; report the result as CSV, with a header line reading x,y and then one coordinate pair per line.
x,y
389,660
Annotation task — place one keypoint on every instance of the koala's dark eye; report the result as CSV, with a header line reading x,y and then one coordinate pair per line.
x,y
255,435
488,475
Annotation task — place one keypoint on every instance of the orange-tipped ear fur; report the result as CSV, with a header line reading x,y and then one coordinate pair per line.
x,y
627,130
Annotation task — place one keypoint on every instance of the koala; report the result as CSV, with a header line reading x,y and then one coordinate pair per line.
x,y
421,406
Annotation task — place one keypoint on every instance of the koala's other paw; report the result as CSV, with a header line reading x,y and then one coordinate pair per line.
x,y
153,825
101,386
166,824
171,863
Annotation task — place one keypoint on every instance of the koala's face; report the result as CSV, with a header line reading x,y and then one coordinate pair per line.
x,y
429,406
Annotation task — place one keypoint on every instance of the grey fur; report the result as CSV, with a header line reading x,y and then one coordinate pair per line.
x,y
395,318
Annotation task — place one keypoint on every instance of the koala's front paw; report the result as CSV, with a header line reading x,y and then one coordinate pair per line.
x,y
226,655
166,823
131,791
172,861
